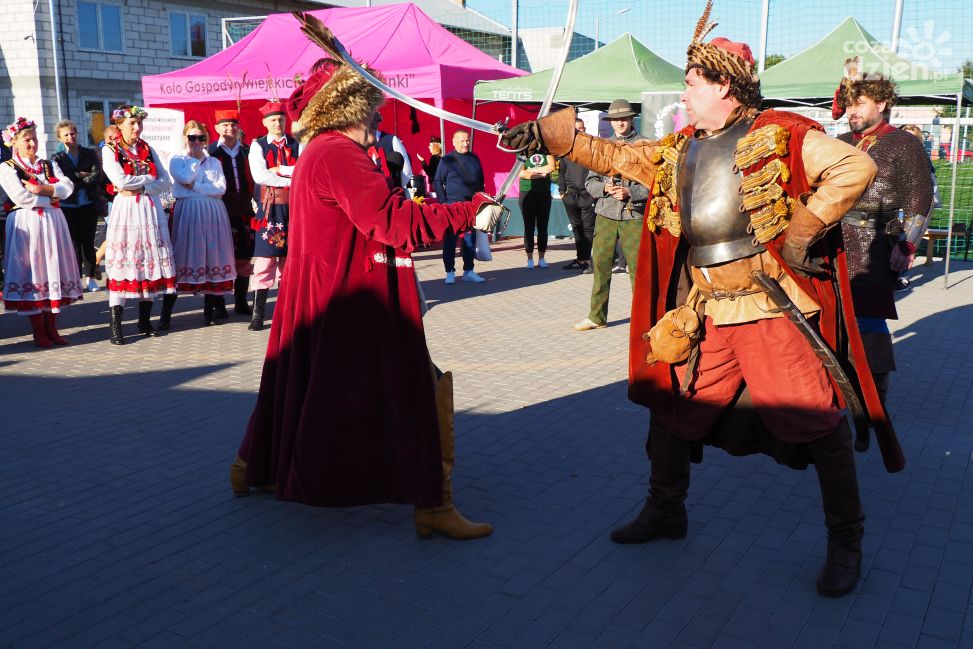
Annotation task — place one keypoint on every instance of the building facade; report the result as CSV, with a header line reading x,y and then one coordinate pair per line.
x,y
103,48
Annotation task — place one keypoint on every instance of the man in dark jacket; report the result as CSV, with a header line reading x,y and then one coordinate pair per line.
x,y
458,177
82,208
580,207
619,206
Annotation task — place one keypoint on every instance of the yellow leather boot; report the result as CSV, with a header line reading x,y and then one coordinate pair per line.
x,y
446,519
238,479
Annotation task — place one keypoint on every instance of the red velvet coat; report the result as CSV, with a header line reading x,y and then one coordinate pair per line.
x,y
346,413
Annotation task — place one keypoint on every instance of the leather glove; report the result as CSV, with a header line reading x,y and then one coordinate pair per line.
x,y
524,138
486,212
903,255
799,261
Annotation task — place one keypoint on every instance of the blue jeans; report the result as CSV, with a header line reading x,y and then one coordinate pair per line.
x,y
449,251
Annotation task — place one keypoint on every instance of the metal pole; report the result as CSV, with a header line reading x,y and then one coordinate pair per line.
x,y
764,19
897,24
597,18
514,34
57,73
952,191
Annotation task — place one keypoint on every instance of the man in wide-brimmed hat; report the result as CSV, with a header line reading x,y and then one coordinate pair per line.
x,y
738,191
347,410
619,207
879,246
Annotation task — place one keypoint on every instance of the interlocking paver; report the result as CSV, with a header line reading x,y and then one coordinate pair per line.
x,y
119,528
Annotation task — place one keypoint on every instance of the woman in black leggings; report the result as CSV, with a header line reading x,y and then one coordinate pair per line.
x,y
535,205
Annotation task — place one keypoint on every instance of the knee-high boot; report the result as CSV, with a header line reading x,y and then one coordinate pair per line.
x,y
40,331
446,519
116,326
145,323
238,479
168,304
209,310
219,304
664,513
843,513
50,326
240,296
259,307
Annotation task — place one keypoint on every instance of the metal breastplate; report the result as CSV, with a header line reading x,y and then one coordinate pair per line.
x,y
710,200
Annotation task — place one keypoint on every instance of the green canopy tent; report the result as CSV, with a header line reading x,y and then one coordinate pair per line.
x,y
810,78
624,68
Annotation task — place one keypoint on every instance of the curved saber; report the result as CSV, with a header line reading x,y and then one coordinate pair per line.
x,y
496,129
548,98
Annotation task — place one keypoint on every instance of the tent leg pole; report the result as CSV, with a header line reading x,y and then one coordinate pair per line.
x,y
472,131
952,191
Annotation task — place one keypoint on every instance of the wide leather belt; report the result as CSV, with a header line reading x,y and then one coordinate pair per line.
x,y
886,222
275,195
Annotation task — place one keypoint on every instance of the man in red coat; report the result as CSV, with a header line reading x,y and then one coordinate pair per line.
x,y
346,414
738,191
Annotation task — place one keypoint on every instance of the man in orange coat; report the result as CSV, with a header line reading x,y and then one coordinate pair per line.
x,y
737,191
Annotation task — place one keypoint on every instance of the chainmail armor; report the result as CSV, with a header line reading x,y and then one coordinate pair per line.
x,y
903,182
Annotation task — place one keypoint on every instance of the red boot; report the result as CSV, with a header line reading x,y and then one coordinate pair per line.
x,y
40,334
50,326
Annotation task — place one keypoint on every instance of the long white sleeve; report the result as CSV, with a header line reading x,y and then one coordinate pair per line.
x,y
117,175
205,176
183,169
210,181
22,198
162,182
259,172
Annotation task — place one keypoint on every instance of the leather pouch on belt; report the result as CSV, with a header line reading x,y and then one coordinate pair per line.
x,y
673,336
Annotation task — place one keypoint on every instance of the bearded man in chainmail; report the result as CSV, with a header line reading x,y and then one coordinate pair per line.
x,y
878,244
738,196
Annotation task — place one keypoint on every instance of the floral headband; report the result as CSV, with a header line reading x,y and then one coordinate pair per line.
x,y
20,124
129,111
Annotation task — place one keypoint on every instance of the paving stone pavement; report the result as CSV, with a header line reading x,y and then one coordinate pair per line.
x,y
119,528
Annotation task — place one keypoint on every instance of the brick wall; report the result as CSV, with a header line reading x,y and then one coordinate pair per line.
x,y
27,69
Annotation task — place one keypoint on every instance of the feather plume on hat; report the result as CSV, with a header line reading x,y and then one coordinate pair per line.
x,y
334,96
720,54
855,82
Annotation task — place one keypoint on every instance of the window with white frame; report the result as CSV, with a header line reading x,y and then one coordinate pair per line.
x,y
187,34
100,25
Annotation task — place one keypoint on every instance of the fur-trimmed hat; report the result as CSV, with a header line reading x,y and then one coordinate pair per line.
x,y
334,97
720,54
855,82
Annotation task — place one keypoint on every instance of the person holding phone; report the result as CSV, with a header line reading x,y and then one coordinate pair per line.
x,y
619,206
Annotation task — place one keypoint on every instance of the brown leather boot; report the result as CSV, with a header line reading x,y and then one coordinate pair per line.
x,y
447,520
238,480
843,513
664,513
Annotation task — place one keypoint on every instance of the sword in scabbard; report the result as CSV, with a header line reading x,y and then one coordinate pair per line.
x,y
785,305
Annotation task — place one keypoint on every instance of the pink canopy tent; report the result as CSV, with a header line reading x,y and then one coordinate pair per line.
x,y
414,53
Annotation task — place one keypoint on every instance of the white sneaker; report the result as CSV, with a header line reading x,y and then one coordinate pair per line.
x,y
530,263
588,325
450,277
470,276
92,285
542,263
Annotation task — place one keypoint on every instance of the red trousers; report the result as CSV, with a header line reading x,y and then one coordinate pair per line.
x,y
789,386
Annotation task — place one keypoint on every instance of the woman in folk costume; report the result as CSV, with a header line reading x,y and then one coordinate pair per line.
x,y
40,270
138,254
347,409
202,244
